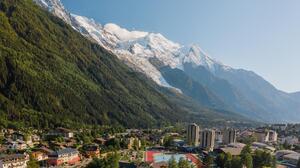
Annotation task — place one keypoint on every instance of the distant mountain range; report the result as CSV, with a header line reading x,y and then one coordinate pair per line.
x,y
188,70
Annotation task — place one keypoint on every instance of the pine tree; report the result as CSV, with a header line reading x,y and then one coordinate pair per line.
x,y
209,160
236,162
172,163
183,163
248,161
228,158
220,160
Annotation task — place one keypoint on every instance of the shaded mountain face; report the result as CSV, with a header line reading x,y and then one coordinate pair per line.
x,y
277,105
191,88
187,69
296,95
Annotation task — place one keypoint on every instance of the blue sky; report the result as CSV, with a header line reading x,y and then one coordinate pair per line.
x,y
258,35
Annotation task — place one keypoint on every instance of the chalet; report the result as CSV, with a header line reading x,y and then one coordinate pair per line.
x,y
67,156
15,161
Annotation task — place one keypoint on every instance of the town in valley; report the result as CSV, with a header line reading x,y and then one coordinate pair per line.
x,y
187,145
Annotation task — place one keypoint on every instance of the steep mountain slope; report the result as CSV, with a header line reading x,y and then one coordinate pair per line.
x,y
208,81
191,88
225,91
53,76
50,74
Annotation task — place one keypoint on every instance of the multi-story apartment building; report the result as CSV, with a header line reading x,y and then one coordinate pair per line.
x,y
229,136
193,134
207,140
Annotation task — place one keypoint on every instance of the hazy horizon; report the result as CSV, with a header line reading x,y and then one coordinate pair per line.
x,y
261,36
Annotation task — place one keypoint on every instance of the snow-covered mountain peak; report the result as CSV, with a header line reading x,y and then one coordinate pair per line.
x,y
87,23
56,7
158,40
123,34
197,57
135,48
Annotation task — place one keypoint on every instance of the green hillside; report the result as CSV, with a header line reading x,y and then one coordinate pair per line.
x,y
51,75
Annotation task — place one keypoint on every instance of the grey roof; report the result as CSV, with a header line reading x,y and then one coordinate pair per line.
x,y
7,158
294,156
64,151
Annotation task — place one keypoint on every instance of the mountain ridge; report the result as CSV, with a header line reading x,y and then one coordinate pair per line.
x,y
53,76
62,79
254,96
